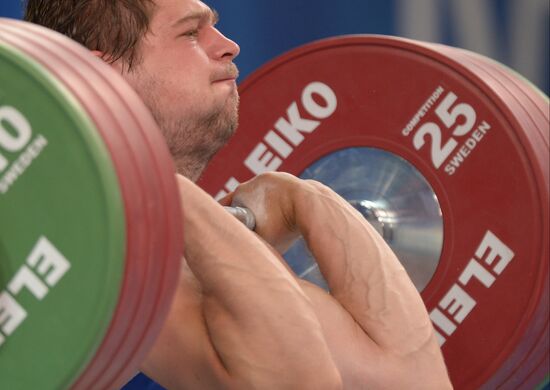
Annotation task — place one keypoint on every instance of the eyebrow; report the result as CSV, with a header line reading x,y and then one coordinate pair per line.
x,y
207,14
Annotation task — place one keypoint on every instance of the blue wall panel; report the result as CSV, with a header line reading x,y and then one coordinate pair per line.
x,y
514,32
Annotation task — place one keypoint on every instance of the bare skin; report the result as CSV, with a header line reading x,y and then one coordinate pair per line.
x,y
240,319
243,313
187,79
374,321
241,327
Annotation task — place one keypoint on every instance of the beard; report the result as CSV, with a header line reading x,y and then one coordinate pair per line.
x,y
195,138
194,133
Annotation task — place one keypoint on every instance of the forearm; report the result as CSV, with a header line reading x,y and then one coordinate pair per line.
x,y
363,275
361,270
229,260
257,315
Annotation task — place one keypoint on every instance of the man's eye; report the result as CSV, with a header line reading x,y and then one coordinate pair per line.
x,y
191,33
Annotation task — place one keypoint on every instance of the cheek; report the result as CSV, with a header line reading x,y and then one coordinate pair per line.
x,y
190,83
194,62
178,81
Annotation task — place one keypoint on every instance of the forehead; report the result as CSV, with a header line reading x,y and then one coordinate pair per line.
x,y
167,12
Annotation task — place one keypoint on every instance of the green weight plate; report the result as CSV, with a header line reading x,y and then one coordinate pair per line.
x,y
62,229
128,339
111,119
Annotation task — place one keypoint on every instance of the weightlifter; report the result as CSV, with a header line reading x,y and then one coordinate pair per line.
x,y
240,318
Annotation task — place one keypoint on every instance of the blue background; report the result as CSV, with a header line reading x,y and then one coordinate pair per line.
x,y
515,32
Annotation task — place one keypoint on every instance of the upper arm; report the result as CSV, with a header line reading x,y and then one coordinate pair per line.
x,y
183,355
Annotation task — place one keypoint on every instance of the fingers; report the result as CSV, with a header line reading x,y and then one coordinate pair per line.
x,y
244,215
266,196
227,200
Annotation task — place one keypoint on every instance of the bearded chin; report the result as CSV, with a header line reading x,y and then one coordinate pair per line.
x,y
194,141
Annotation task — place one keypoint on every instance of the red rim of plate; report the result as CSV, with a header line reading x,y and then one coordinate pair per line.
x,y
533,100
26,48
531,352
525,144
128,324
103,118
156,307
157,304
534,96
530,141
170,234
167,230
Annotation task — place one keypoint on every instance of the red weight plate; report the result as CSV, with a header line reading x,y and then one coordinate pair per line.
x,y
159,288
492,186
155,301
128,326
518,371
532,100
132,347
537,334
166,258
123,331
533,125
533,96
102,117
533,348
532,93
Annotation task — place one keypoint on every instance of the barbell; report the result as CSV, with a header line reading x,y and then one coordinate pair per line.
x,y
444,151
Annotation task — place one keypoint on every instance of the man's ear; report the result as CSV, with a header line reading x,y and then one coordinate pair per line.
x,y
98,54
117,65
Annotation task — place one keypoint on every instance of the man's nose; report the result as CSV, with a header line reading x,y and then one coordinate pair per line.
x,y
223,47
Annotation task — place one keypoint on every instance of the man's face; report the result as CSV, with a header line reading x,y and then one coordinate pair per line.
x,y
187,79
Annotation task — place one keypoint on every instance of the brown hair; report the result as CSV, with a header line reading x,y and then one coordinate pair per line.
x,y
114,27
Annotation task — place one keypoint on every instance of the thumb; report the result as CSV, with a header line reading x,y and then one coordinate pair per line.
x,y
227,199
